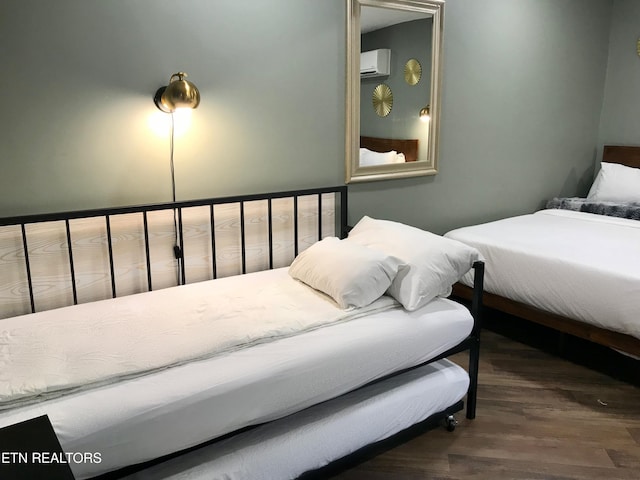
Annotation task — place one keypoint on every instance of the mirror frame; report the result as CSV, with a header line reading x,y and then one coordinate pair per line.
x,y
428,166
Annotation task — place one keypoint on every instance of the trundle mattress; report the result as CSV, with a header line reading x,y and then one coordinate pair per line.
x,y
318,435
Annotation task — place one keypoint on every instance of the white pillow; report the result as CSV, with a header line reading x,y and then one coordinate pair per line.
x,y
369,158
353,275
434,263
616,183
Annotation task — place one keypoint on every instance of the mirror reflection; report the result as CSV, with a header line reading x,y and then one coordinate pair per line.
x,y
405,37
393,82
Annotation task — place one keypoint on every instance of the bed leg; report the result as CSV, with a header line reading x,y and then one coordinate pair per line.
x,y
472,393
474,350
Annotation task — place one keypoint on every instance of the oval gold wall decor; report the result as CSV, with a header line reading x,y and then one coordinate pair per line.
x,y
412,71
382,100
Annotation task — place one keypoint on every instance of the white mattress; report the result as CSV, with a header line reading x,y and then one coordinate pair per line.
x,y
579,265
50,353
310,439
153,415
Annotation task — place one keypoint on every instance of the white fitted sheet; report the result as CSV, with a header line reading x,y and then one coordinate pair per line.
x,y
150,416
579,265
316,436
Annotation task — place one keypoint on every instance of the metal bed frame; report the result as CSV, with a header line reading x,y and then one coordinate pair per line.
x,y
177,207
471,343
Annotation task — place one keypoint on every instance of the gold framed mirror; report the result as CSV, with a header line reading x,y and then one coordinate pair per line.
x,y
402,30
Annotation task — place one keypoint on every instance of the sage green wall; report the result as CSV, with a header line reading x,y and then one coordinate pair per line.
x,y
79,77
620,121
523,88
522,91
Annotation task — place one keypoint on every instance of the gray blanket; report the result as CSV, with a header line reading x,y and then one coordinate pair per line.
x,y
612,209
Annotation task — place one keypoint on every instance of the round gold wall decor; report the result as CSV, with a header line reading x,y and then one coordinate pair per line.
x,y
412,71
382,100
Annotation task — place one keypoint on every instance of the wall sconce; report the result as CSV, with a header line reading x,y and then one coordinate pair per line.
x,y
425,113
180,93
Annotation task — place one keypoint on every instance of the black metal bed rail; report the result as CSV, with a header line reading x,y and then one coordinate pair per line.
x,y
473,340
470,344
100,212
340,225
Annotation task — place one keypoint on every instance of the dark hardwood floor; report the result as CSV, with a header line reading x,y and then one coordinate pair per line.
x,y
539,417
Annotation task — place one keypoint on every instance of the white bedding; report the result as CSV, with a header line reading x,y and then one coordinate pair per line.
x,y
369,158
579,265
142,418
310,439
52,352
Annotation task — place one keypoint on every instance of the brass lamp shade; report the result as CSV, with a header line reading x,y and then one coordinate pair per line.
x,y
180,93
425,113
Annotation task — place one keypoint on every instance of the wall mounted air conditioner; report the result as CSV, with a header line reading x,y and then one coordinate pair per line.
x,y
375,63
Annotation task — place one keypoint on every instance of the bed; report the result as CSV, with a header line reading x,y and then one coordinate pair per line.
x,y
91,300
572,266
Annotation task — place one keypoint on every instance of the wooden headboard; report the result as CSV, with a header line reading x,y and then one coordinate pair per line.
x,y
408,147
58,259
629,156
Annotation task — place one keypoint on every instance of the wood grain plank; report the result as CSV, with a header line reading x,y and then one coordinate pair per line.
x,y
473,467
628,457
625,155
618,341
538,418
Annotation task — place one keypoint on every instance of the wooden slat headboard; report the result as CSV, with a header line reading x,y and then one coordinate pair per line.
x,y
624,155
408,147
54,260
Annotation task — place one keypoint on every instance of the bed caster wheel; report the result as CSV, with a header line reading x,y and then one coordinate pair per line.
x,y
451,423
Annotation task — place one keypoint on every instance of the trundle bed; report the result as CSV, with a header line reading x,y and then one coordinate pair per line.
x,y
248,367
572,267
